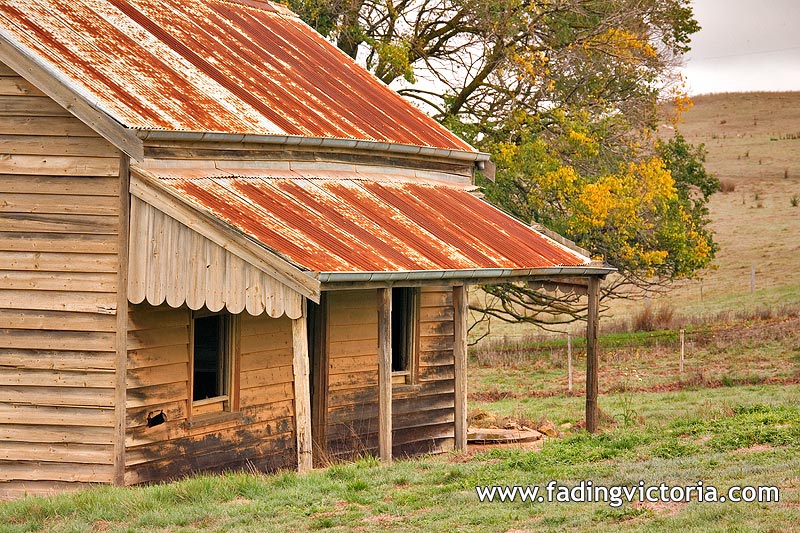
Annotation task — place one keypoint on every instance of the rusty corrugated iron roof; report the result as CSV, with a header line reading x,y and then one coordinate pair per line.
x,y
361,225
222,66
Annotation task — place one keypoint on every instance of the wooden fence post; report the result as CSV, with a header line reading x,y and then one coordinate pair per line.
x,y
592,381
682,352
569,362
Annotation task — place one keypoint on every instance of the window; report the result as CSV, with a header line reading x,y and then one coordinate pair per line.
x,y
405,319
212,363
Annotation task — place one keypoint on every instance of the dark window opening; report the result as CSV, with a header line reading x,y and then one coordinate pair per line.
x,y
404,326
210,375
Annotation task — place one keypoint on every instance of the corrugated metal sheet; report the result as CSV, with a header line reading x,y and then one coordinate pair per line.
x,y
356,225
226,66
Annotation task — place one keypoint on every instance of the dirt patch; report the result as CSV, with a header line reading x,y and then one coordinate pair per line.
x,y
384,519
660,508
754,448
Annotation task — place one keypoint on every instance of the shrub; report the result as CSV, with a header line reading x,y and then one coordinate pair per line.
x,y
727,185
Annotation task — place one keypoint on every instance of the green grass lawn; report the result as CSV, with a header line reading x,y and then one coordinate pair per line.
x,y
738,425
748,435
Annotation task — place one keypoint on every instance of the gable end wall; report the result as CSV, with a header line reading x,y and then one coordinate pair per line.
x,y
59,223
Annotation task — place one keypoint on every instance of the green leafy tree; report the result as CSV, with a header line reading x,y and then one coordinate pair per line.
x,y
565,95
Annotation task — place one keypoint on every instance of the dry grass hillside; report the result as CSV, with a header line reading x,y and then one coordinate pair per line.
x,y
753,144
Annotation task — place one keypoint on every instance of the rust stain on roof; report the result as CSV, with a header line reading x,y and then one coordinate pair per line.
x,y
225,66
356,225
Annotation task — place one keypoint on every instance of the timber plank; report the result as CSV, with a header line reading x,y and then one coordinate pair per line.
x,y
5,70
37,470
55,378
57,396
11,413
39,106
59,452
267,342
156,394
51,223
265,359
60,204
160,355
272,453
353,332
58,165
431,373
67,126
267,394
152,338
436,343
89,341
360,315
55,320
53,145
59,185
352,380
47,434
158,375
136,417
266,376
338,348
169,434
58,281
57,359
58,262
360,363
57,242
360,299
149,318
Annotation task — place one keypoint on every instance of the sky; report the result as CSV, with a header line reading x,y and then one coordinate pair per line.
x,y
745,45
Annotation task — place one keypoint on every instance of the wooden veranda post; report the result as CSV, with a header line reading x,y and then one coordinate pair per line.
x,y
591,354
302,393
385,374
460,354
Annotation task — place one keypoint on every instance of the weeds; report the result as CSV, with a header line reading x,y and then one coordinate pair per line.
x,y
649,320
794,201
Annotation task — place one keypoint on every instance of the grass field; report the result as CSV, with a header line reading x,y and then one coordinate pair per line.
x,y
732,419
729,437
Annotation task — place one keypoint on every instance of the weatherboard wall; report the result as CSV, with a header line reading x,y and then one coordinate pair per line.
x,y
422,413
260,434
59,224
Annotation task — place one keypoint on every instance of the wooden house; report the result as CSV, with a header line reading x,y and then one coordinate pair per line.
x,y
225,245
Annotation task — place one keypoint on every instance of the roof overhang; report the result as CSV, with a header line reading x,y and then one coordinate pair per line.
x,y
319,227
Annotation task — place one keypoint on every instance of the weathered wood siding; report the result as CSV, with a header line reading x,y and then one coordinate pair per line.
x,y
171,262
158,380
422,414
59,219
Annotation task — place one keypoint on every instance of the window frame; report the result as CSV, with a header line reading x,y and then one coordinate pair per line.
x,y
227,403
411,318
